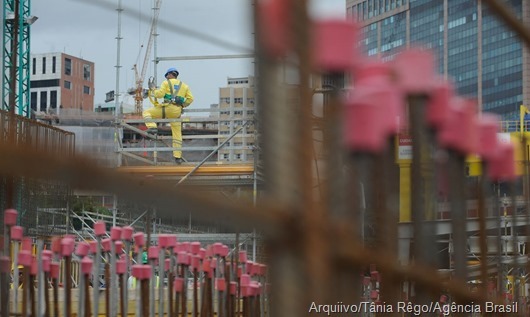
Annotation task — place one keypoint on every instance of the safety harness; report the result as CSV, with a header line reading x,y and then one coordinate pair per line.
x,y
172,96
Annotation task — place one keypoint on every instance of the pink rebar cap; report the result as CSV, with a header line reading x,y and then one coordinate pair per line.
x,y
141,272
10,217
27,244
243,257
195,247
100,228
274,19
415,71
121,266
86,265
335,45
115,233
5,264
24,258
220,284
502,166
153,252
17,233
127,233
139,239
55,270
82,249
178,284
105,244
67,246
488,127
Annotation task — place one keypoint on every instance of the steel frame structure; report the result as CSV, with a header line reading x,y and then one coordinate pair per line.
x,y
16,57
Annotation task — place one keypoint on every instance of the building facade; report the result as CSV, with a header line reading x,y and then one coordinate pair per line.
x,y
476,50
60,81
236,106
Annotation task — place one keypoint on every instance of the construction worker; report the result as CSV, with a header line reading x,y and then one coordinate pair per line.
x,y
177,95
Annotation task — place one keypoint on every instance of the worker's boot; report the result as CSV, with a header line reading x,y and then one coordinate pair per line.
x,y
178,160
152,131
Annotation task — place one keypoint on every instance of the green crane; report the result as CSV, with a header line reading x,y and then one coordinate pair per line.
x,y
16,56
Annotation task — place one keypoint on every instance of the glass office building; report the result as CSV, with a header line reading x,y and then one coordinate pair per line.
x,y
485,60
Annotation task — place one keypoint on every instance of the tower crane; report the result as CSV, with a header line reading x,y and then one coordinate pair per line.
x,y
139,94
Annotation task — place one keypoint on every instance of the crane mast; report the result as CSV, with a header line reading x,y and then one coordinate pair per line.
x,y
140,76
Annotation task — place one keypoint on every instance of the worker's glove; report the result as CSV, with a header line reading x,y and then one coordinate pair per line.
x,y
151,83
179,100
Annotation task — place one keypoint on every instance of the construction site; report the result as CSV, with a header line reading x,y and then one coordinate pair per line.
x,y
361,186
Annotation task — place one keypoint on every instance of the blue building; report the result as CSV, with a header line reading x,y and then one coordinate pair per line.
x,y
474,48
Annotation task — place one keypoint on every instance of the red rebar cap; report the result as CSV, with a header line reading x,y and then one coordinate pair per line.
x,y
185,246
27,244
233,288
243,257
274,19
167,264
127,233
47,254
105,245
118,247
335,45
55,270
220,284
139,239
100,228
373,72
438,104
502,166
488,127
153,252
115,233
93,246
415,71
183,258
5,264
217,248
195,262
460,131
86,265
202,253
121,266
244,280
213,263
10,217
195,247
67,246
164,240
365,129
24,258
17,233
46,264
141,272
82,249
56,244
224,251
178,284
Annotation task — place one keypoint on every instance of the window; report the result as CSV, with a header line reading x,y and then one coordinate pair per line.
x,y
86,72
238,100
54,64
86,90
68,67
34,71
225,156
238,156
33,100
43,101
44,65
67,84
53,99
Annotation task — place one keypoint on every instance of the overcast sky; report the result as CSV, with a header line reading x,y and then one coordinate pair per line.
x,y
88,29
